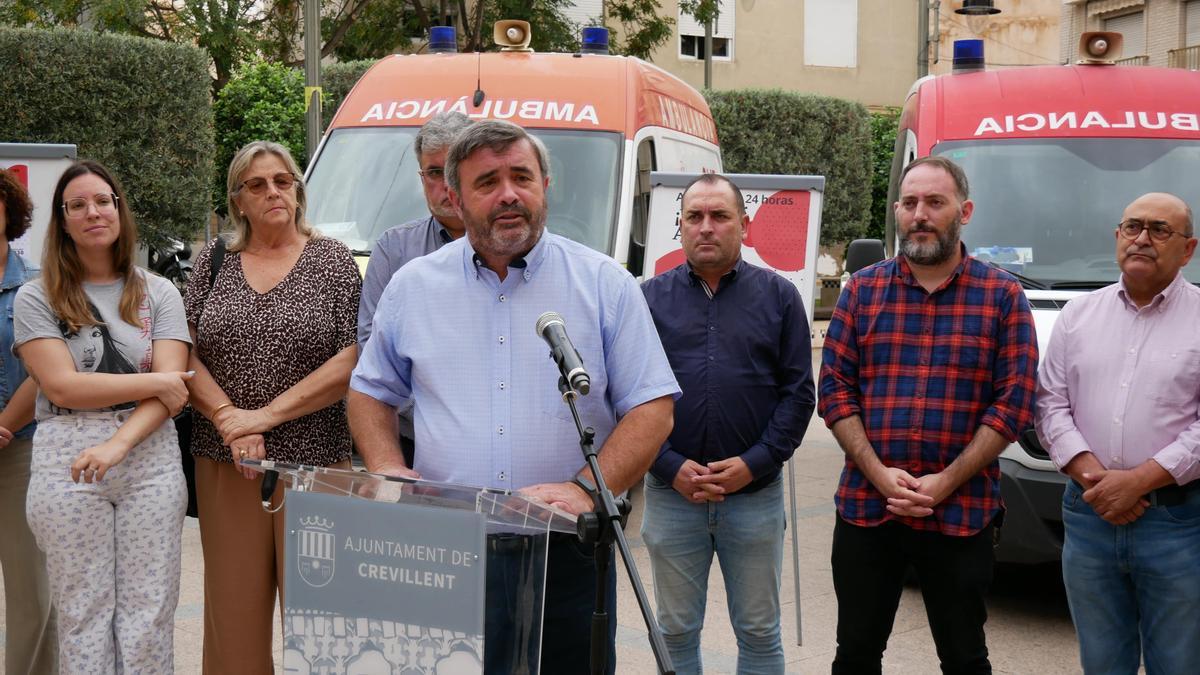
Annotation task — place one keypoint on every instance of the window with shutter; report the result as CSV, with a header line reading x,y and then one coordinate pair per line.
x,y
1132,27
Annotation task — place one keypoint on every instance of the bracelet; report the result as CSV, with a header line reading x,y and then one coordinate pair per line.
x,y
219,409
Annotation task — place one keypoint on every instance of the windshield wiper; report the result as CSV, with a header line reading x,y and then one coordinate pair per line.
x,y
1026,282
1081,285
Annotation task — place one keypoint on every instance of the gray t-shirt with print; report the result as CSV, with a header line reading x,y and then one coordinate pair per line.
x,y
112,346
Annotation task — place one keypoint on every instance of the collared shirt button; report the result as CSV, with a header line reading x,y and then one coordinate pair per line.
x,y
1132,350
501,475
1124,384
502,298
500,430
501,339
501,386
1116,420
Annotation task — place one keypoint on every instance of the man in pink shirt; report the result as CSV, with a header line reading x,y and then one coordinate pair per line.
x,y
1119,410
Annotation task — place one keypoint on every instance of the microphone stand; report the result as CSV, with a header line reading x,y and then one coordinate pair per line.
x,y
601,528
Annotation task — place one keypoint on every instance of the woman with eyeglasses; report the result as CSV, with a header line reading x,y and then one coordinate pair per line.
x,y
275,344
30,644
107,494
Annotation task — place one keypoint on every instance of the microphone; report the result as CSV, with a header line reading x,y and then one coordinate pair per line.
x,y
268,487
553,330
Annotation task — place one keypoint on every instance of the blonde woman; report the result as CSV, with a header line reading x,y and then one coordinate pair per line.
x,y
275,345
107,344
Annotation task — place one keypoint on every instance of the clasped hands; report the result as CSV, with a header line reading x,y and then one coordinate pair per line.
x,y
242,430
910,496
701,483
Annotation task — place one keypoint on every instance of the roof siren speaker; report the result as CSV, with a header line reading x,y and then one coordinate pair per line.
x,y
1099,48
512,35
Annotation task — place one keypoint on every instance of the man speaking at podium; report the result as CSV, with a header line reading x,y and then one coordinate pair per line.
x,y
454,334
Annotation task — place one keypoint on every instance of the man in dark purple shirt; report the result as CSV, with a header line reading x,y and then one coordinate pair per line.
x,y
738,341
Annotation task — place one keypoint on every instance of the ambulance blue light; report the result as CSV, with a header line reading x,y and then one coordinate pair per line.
x,y
442,40
968,55
595,40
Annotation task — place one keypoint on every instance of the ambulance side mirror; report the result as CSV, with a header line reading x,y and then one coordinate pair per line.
x,y
1100,48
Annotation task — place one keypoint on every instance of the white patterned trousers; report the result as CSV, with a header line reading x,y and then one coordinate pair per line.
x,y
112,548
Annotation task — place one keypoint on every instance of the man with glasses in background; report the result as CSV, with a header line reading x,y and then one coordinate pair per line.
x,y
401,244
1118,400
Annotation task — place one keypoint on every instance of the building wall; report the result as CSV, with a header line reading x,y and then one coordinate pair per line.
x,y
1163,24
1024,33
769,52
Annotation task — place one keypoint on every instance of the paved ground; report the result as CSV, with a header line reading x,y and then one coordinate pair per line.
x,y
1029,630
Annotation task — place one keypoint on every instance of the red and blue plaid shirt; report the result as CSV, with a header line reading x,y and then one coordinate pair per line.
x,y
924,371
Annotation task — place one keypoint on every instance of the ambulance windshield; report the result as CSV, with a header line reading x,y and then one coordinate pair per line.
x,y
365,181
1047,209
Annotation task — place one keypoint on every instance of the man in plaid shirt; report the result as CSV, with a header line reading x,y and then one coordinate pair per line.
x,y
928,373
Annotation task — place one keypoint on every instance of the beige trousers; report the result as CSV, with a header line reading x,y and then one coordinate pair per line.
x,y
243,569
32,644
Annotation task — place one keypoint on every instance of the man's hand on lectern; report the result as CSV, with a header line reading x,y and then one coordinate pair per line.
x,y
566,496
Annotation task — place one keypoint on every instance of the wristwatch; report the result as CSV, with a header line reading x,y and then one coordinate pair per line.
x,y
581,479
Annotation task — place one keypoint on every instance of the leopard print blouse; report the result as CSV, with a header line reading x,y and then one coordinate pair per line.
x,y
258,345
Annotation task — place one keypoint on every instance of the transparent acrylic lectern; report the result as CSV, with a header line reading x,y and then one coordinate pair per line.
x,y
389,575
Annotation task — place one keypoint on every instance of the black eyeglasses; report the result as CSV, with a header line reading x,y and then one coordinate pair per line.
x,y
1132,229
258,185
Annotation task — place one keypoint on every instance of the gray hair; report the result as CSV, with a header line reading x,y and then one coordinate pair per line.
x,y
956,172
439,132
717,179
233,183
495,135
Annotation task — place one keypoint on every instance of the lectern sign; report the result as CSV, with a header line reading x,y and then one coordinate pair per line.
x,y
399,584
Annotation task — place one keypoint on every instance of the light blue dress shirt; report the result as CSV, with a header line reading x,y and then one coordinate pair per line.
x,y
460,344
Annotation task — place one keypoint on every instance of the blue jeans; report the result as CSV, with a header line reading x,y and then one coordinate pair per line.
x,y
1134,590
746,533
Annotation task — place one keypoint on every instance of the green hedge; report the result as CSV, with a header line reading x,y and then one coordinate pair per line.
x,y
140,106
883,145
788,133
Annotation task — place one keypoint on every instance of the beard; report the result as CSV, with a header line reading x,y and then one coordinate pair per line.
x,y
489,240
939,250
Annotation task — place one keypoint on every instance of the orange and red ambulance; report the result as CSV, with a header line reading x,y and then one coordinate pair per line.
x,y
607,121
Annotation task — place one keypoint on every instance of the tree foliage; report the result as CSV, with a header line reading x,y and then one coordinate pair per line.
x,y
233,32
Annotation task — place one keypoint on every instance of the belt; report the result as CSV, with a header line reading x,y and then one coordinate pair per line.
x,y
1172,495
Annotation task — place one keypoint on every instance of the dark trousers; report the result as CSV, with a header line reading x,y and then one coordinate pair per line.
x,y
567,616
869,564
